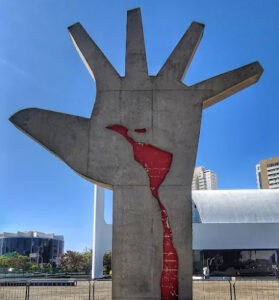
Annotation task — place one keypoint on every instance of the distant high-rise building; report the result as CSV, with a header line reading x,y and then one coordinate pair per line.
x,y
204,179
40,246
267,172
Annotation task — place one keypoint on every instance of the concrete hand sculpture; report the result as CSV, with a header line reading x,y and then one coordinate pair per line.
x,y
160,117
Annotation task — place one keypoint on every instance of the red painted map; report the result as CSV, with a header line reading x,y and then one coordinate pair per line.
x,y
157,163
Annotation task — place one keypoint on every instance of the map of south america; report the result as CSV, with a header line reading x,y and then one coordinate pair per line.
x,y
157,163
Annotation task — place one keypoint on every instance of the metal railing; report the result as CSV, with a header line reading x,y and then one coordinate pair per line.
x,y
244,289
212,289
236,289
101,289
57,289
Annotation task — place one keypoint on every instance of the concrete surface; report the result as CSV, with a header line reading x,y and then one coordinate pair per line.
x,y
171,113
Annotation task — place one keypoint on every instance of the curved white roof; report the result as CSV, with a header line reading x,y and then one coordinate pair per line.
x,y
237,206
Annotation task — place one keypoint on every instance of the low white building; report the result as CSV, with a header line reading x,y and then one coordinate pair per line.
x,y
235,232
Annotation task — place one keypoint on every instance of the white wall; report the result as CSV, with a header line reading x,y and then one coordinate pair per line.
x,y
102,233
235,236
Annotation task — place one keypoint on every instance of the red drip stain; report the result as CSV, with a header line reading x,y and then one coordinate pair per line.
x,y
157,163
140,130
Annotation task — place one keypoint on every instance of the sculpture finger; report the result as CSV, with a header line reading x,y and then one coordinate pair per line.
x,y
98,65
136,65
64,135
226,84
180,59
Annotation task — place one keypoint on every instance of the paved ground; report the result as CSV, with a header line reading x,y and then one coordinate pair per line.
x,y
98,291
203,290
260,290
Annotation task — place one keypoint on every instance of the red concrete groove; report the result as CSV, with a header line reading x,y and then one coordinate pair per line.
x,y
140,130
157,163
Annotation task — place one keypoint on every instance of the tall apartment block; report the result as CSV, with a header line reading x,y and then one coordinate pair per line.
x,y
204,179
267,172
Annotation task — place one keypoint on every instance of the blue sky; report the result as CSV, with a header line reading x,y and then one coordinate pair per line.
x,y
39,67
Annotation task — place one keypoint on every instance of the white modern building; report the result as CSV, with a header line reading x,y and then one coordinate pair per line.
x,y
259,176
204,179
235,232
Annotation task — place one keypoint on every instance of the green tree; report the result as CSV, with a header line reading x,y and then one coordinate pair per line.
x,y
20,262
71,261
107,263
15,260
4,261
34,267
87,260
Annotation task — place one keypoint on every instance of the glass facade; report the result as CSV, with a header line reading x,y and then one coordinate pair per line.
x,y
47,250
195,214
236,262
